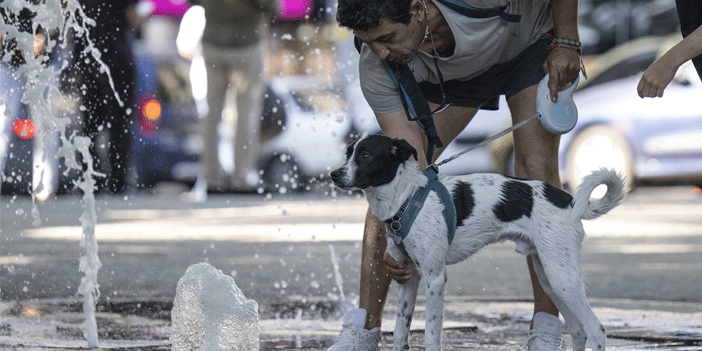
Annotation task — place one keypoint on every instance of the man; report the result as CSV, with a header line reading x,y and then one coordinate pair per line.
x,y
472,60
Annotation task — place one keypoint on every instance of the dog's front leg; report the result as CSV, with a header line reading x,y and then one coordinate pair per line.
x,y
405,309
436,283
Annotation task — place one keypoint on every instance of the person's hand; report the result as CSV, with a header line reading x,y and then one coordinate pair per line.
x,y
562,66
396,270
656,78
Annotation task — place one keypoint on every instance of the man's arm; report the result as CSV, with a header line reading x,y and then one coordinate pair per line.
x,y
562,64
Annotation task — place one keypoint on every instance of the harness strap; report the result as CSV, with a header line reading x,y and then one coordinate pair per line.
x,y
415,104
401,226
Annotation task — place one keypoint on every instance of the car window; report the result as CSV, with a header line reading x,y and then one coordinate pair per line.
x,y
174,82
629,67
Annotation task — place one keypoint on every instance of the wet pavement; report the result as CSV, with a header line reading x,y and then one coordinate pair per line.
x,y
296,257
470,324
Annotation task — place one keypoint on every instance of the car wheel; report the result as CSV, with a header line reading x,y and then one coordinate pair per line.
x,y
598,147
282,174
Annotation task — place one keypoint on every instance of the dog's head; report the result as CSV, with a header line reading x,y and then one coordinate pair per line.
x,y
372,161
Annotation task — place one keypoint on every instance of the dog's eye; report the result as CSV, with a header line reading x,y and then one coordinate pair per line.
x,y
365,156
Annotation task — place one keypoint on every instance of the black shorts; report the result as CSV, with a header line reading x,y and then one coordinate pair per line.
x,y
507,79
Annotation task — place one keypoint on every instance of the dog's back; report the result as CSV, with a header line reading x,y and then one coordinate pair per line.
x,y
492,208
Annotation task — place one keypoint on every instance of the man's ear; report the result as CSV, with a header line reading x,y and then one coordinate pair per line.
x,y
401,150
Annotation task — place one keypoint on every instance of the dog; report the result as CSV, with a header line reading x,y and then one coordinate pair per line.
x,y
543,221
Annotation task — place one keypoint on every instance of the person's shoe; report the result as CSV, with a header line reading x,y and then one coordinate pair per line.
x,y
354,337
546,335
198,193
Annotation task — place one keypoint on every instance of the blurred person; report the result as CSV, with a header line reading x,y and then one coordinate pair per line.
x,y
234,56
657,76
189,45
163,19
108,83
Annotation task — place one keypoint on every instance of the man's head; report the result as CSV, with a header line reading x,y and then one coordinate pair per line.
x,y
363,14
393,29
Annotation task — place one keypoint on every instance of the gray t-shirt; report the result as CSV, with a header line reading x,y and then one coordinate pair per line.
x,y
480,44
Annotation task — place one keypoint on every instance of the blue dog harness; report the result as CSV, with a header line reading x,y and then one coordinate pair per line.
x,y
402,221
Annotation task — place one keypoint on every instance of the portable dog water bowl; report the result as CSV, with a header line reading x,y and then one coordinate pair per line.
x,y
557,117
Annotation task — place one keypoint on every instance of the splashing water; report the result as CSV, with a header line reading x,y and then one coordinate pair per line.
x,y
64,17
343,305
211,313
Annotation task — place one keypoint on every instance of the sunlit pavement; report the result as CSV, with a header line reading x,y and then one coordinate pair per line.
x,y
298,256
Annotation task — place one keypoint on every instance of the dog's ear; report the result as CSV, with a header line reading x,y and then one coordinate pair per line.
x,y
401,150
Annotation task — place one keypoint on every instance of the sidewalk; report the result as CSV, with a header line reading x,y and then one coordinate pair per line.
x,y
470,324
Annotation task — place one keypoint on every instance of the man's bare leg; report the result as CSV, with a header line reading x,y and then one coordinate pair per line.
x,y
536,157
375,280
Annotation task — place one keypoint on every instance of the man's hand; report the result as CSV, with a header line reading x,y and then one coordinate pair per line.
x,y
562,66
396,270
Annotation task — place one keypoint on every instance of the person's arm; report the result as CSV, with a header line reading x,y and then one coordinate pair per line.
x,y
657,76
563,64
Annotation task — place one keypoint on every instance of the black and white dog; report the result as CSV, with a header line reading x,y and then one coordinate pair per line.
x,y
543,220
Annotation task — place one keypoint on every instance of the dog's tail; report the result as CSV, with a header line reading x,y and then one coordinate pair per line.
x,y
586,209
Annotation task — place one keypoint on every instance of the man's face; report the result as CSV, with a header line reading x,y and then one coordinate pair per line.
x,y
393,41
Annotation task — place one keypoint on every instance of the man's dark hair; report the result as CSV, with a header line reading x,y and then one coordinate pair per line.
x,y
366,14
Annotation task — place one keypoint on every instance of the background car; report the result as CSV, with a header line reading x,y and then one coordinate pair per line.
x,y
313,137
26,160
645,139
166,141
604,24
304,126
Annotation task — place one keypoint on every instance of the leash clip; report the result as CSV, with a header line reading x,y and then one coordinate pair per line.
x,y
395,225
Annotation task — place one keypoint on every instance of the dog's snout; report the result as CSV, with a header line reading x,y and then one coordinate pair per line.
x,y
336,174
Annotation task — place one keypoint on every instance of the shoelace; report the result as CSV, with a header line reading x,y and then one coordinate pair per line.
x,y
349,335
557,342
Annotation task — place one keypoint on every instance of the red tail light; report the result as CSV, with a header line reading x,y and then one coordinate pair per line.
x,y
149,114
25,129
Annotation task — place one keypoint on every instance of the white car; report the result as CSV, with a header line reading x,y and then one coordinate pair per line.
x,y
311,140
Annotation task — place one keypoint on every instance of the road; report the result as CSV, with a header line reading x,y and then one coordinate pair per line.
x,y
650,248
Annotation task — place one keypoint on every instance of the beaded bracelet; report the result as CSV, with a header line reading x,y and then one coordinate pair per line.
x,y
570,42
566,46
567,42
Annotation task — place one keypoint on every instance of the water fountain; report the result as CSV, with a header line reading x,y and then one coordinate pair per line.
x,y
66,17
210,312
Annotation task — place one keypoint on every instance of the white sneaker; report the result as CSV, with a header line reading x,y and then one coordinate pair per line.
x,y
546,335
354,337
